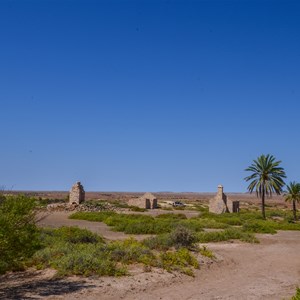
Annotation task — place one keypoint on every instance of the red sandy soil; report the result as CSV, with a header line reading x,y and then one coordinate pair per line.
x,y
268,270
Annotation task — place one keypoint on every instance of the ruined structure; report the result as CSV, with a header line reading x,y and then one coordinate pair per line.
x,y
77,194
221,204
148,201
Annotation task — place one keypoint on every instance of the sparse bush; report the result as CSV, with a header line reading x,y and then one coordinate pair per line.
x,y
180,260
161,242
77,235
77,259
130,251
182,237
206,252
227,234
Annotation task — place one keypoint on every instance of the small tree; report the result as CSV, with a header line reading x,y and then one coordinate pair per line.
x,y
292,194
266,178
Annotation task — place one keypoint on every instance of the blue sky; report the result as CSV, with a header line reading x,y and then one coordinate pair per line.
x,y
147,95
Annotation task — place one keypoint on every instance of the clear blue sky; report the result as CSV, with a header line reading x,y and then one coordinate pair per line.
x,y
147,95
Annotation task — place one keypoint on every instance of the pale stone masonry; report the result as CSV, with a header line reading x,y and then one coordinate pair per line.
x,y
148,201
77,194
221,204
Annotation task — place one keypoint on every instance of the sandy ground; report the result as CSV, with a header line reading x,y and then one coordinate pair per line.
x,y
269,270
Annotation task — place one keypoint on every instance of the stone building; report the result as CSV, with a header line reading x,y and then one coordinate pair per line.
x,y
221,204
77,194
148,201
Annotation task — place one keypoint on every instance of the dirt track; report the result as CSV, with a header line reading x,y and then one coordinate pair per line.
x,y
269,270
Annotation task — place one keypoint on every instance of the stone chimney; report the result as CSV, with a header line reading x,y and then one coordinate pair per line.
x,y
220,190
77,193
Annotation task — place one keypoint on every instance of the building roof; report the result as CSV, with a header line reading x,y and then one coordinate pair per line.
x,y
148,196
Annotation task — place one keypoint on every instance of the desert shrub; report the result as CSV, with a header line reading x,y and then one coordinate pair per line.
x,y
161,242
200,207
269,226
297,295
182,237
42,202
259,226
227,234
77,259
73,235
136,208
206,252
167,208
18,232
251,222
86,255
88,262
181,260
277,213
172,216
130,251
226,218
286,225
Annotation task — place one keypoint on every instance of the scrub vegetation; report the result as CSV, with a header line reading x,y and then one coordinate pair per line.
x,y
72,250
173,242
239,226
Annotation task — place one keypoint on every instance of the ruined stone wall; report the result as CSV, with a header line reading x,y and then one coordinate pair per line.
x,y
221,204
77,194
137,202
146,201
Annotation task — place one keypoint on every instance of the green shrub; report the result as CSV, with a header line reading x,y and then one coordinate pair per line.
x,y
182,237
206,252
259,226
76,235
172,216
138,209
161,242
227,234
181,260
77,259
297,296
130,251
18,232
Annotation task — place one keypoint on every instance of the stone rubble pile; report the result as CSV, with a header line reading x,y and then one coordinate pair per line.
x,y
81,207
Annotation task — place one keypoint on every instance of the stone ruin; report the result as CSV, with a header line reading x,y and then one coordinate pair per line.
x,y
77,194
148,201
221,204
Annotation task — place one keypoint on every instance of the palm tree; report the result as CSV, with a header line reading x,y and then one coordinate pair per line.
x,y
266,178
293,194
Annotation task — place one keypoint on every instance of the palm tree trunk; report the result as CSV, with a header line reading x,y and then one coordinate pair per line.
x,y
263,202
294,210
